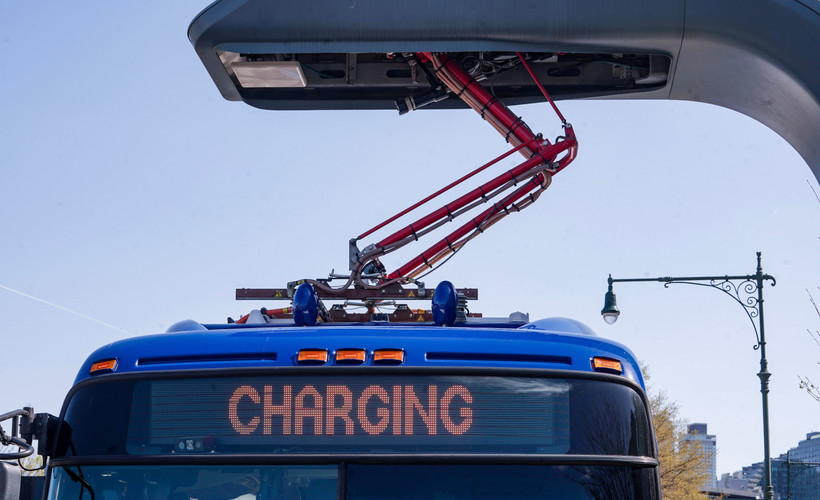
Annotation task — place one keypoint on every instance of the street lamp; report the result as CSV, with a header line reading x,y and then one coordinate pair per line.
x,y
742,289
610,312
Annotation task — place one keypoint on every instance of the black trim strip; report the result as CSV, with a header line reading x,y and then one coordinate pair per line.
x,y
365,458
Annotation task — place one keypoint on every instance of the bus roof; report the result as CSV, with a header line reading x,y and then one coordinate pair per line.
x,y
555,343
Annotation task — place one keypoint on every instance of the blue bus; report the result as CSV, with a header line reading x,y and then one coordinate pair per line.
x,y
288,408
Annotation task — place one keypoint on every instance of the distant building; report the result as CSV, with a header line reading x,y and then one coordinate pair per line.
x,y
802,469
807,450
795,474
735,481
708,450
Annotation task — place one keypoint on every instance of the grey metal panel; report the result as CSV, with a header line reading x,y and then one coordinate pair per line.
x,y
377,25
759,58
319,26
9,481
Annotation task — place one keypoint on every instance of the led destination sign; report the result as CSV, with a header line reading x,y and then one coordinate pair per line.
x,y
350,413
327,406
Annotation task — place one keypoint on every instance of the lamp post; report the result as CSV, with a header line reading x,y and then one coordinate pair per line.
x,y
748,292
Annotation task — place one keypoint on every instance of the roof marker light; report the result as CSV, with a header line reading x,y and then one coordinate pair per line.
x,y
607,365
388,356
351,356
305,305
312,356
445,304
104,366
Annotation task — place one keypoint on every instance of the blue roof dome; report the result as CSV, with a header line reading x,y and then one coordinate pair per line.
x,y
560,325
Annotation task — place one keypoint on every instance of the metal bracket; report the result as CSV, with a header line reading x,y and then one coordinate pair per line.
x,y
353,254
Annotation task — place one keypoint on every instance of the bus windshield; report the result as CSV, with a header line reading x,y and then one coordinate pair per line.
x,y
356,414
361,482
296,435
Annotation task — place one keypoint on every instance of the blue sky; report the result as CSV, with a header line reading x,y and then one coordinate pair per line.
x,y
132,193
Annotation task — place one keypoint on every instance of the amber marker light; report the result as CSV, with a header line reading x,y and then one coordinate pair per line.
x,y
606,365
317,356
104,366
388,356
351,356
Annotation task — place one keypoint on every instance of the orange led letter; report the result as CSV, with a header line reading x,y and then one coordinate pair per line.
x,y
343,411
464,412
301,412
381,412
238,394
284,410
411,402
397,410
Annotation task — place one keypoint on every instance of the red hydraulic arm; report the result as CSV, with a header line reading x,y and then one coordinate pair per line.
x,y
539,167
509,192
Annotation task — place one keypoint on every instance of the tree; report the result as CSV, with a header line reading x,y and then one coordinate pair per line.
x,y
684,467
805,382
33,465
